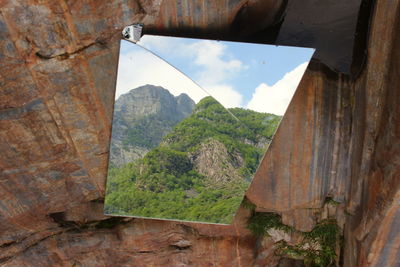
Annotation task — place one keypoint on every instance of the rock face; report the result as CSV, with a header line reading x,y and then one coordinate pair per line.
x,y
141,118
213,161
340,138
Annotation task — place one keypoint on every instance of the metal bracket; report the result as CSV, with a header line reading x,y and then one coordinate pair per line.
x,y
133,32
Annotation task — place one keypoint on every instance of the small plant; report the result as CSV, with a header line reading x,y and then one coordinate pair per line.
x,y
247,204
318,247
261,222
324,236
293,252
324,232
331,201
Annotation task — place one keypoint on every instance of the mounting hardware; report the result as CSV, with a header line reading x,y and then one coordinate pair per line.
x,y
133,32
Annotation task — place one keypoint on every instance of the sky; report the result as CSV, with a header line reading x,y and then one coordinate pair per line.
x,y
258,77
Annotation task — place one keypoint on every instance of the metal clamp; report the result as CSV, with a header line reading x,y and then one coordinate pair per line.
x,y
133,32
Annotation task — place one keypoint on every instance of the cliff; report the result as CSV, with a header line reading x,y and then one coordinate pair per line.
x,y
142,117
339,139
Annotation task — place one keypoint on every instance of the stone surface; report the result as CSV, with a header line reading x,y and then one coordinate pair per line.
x,y
136,243
213,161
302,219
347,148
299,164
152,109
334,45
58,65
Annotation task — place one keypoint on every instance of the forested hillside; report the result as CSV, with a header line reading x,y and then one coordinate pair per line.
x,y
200,170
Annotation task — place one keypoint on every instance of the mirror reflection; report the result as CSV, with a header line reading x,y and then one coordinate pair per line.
x,y
176,152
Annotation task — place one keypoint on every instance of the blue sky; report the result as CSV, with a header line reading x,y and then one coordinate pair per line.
x,y
236,74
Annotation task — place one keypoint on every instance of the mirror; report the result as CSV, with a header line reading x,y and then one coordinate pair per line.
x,y
186,148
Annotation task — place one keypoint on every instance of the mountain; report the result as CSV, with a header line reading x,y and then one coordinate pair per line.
x,y
141,118
207,160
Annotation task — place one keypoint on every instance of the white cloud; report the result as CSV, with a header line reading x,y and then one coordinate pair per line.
x,y
216,65
212,62
276,98
138,68
159,43
226,95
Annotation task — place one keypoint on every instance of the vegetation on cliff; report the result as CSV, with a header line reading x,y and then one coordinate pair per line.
x,y
169,181
316,248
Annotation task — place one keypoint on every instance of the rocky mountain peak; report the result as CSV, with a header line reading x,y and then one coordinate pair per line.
x,y
149,100
142,117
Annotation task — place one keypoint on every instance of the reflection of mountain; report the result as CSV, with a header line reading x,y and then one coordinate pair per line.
x,y
200,170
141,118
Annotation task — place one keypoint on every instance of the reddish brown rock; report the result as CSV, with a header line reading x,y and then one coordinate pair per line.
x,y
299,164
137,243
301,219
340,138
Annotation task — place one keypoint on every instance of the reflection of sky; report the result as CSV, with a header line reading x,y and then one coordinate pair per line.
x,y
237,74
